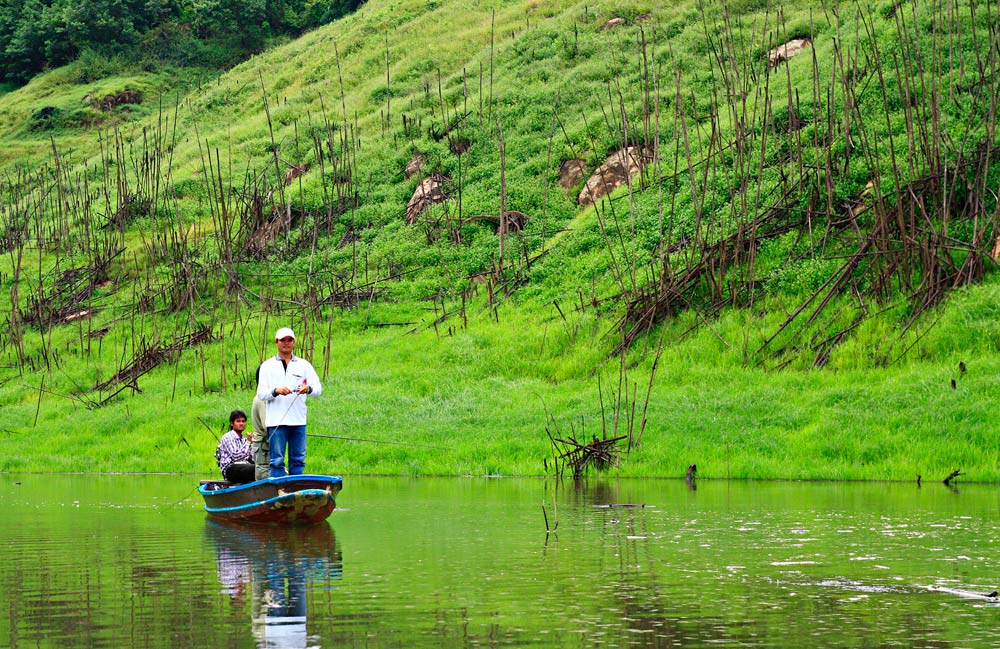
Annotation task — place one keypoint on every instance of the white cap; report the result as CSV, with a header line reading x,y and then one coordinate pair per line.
x,y
284,332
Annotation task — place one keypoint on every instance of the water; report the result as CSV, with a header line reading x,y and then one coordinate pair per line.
x,y
131,561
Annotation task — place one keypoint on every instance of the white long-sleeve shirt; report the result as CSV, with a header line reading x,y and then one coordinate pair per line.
x,y
287,409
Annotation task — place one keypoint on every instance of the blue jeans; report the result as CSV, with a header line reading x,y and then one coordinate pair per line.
x,y
294,437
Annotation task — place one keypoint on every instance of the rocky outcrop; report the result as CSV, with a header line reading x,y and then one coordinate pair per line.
x,y
293,172
107,102
571,172
616,171
515,221
414,166
782,53
430,190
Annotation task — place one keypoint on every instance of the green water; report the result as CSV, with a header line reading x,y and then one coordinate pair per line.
x,y
131,561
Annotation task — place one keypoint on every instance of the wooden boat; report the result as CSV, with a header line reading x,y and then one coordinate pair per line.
x,y
288,500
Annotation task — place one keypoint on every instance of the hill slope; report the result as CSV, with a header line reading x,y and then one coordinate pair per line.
x,y
796,227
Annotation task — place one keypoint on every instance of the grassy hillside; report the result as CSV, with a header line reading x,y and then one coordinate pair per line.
x,y
798,283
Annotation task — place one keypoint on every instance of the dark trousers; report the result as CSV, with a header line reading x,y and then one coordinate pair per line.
x,y
239,472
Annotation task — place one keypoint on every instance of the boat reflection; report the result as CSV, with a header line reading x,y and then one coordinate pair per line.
x,y
276,566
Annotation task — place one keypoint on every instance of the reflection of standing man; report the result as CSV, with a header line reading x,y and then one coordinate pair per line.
x,y
279,608
285,382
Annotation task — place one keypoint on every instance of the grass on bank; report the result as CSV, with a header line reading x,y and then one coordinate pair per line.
x,y
883,409
478,402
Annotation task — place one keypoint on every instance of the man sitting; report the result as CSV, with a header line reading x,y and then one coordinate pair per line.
x,y
233,453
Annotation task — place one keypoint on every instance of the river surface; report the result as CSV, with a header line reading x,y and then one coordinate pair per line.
x,y
132,561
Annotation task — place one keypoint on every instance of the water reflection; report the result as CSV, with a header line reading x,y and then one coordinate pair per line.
x,y
276,567
114,561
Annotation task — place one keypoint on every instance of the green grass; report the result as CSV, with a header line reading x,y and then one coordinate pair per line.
x,y
471,404
482,388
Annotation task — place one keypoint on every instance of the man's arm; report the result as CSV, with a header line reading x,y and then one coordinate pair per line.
x,y
265,389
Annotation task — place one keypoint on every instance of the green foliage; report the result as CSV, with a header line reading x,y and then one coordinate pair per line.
x,y
39,34
91,66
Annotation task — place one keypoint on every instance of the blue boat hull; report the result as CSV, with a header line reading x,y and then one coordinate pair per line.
x,y
288,500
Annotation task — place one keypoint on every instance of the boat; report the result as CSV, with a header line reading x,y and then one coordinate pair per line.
x,y
287,500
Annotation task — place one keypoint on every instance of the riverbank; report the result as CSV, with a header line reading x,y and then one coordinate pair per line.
x,y
478,402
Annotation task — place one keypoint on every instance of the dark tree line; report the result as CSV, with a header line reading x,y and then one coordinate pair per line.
x,y
40,34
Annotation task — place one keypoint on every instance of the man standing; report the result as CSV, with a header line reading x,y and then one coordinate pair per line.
x,y
285,382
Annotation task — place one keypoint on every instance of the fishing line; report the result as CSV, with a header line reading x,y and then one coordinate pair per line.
x,y
176,504
282,420
270,429
378,441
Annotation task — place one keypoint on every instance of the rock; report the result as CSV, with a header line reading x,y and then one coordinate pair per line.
x,y
414,166
120,98
459,145
782,53
515,220
45,117
293,172
571,172
615,171
430,190
859,204
614,22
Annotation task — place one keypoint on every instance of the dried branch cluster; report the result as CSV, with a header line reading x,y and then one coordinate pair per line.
x,y
67,299
599,454
148,358
926,223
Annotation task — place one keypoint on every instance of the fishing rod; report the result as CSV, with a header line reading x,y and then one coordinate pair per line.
x,y
351,439
211,430
377,441
288,408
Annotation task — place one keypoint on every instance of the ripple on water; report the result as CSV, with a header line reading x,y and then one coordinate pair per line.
x,y
439,563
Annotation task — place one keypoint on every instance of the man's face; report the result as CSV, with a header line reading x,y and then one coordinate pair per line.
x,y
286,344
239,424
